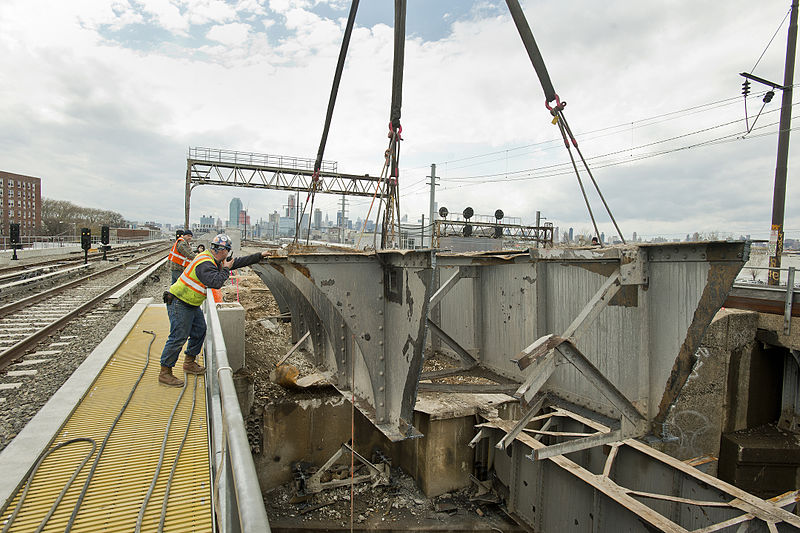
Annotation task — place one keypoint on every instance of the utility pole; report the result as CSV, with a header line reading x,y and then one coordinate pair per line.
x,y
341,228
431,213
538,222
296,215
422,232
779,194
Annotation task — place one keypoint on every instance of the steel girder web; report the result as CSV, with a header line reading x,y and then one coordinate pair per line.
x,y
371,311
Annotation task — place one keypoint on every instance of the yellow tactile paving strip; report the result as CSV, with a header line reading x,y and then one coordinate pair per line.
x,y
130,458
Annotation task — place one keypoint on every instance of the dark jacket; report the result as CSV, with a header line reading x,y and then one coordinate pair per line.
x,y
214,276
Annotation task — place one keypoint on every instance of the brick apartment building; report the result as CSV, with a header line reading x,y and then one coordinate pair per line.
x,y
20,201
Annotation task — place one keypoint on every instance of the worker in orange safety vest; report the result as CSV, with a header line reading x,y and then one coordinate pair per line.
x,y
181,255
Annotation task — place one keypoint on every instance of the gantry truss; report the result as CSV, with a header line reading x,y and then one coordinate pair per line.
x,y
212,166
494,230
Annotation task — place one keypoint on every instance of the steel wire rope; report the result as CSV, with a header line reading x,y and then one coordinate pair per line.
x,y
159,464
86,483
561,128
563,120
770,41
32,474
175,462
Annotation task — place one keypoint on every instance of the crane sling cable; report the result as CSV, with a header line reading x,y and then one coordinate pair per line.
x,y
395,128
374,195
558,109
337,77
160,463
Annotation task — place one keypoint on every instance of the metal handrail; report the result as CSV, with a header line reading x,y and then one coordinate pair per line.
x,y
236,493
218,155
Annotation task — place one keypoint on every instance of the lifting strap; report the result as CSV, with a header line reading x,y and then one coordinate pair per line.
x,y
392,195
337,77
557,110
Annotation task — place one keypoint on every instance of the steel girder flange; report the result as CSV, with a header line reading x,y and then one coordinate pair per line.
x,y
304,316
378,302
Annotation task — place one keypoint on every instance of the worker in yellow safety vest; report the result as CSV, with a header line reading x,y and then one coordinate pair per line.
x,y
208,270
181,254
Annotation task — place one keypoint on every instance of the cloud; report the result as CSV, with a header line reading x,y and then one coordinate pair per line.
x,y
115,91
233,34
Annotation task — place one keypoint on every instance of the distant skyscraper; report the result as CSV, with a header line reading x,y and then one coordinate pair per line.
x,y
233,211
570,234
290,211
317,218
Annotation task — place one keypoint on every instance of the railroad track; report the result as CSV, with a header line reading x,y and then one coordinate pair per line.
x,y
26,322
15,272
37,278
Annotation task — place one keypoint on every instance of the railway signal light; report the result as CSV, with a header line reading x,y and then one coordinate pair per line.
x,y
86,238
105,235
14,232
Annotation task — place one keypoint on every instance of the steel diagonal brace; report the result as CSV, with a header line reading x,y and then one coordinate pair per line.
x,y
445,288
535,406
467,360
542,367
590,372
587,315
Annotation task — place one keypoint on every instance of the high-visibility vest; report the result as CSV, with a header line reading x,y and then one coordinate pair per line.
x,y
188,287
176,257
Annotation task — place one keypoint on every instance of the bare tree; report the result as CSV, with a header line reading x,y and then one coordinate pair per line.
x,y
59,216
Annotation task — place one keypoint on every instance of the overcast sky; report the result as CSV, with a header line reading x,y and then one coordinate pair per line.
x,y
103,98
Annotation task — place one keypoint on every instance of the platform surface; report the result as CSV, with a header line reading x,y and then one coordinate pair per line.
x,y
130,459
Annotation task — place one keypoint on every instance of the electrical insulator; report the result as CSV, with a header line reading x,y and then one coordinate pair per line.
x,y
768,96
746,88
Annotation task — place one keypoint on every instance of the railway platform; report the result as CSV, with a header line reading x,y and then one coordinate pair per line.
x,y
113,450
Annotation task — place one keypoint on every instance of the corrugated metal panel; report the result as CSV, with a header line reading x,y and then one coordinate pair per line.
x,y
457,309
643,341
129,460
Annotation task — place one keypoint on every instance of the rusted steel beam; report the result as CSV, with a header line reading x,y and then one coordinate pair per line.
x,y
369,310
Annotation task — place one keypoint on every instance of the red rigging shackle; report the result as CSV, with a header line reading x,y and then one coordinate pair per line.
x,y
399,130
559,106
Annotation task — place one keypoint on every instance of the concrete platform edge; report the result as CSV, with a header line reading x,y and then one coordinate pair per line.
x,y
19,456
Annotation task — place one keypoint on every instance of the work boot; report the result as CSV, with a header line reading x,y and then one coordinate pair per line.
x,y
165,377
190,366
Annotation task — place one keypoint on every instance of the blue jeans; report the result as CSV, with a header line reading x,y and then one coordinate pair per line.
x,y
175,275
184,321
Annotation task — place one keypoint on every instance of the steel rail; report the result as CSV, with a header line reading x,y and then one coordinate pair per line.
x,y
9,271
19,348
36,298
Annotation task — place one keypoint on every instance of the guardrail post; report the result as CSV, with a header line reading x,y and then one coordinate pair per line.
x,y
237,498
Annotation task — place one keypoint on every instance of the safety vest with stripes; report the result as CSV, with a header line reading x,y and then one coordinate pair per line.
x,y
188,287
176,257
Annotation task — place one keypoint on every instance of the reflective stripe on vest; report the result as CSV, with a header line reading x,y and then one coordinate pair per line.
x,y
176,257
188,287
